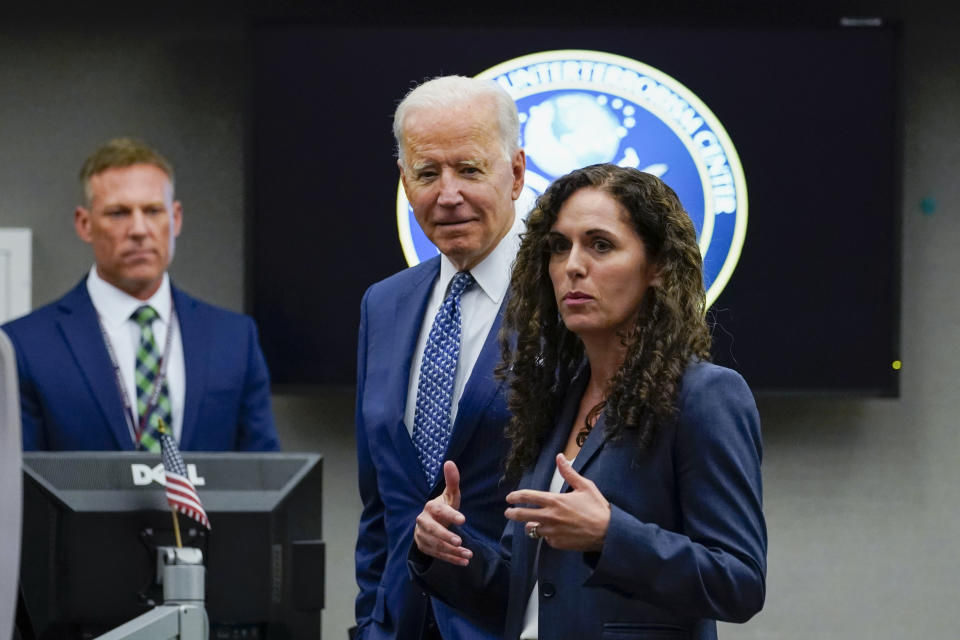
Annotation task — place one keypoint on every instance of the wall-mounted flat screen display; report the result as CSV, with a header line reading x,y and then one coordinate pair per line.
x,y
782,142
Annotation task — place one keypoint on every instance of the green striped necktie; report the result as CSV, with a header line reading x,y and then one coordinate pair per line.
x,y
145,375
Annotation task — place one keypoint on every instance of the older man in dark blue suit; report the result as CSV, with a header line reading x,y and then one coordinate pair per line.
x,y
100,367
426,391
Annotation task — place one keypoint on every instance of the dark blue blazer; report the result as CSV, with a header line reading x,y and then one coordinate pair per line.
x,y
69,396
393,487
686,545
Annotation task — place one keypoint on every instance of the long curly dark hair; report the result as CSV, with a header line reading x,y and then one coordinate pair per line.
x,y
539,354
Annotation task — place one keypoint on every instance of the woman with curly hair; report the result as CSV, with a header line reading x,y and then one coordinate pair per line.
x,y
638,508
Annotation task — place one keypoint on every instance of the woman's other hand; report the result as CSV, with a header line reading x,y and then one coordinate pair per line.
x,y
573,521
432,534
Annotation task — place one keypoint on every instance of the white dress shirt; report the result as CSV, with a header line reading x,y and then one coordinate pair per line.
x,y
114,307
479,306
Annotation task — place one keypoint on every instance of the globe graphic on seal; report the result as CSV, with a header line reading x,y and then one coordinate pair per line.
x,y
569,131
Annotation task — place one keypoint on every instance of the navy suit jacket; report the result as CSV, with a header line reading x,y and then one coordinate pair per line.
x,y
393,487
686,543
69,396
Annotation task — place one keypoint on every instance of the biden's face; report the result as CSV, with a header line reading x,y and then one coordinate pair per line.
x,y
131,221
459,180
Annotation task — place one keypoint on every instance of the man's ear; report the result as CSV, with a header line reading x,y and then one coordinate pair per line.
x,y
177,218
518,166
81,223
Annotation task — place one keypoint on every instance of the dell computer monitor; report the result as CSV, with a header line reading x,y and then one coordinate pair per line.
x,y
92,522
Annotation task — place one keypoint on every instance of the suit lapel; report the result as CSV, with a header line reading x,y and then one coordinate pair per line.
x,y
554,444
81,330
595,440
406,320
555,441
479,391
527,552
546,462
193,340
539,479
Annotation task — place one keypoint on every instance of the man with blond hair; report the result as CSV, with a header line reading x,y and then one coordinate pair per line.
x,y
426,391
101,367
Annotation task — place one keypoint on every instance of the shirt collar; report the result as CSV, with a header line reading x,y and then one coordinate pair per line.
x,y
116,306
492,274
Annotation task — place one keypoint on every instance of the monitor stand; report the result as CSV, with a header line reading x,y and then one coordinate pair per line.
x,y
182,614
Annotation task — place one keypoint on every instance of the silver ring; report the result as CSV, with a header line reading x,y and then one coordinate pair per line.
x,y
532,532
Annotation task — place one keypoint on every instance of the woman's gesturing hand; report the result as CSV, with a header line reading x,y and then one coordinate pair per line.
x,y
431,532
574,521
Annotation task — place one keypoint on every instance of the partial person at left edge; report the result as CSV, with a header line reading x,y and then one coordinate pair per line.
x,y
124,349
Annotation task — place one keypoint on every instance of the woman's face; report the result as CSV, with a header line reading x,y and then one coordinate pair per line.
x,y
598,265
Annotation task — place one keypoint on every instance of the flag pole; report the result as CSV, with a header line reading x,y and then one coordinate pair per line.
x,y
162,428
176,527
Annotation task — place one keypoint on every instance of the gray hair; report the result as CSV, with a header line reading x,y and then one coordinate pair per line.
x,y
446,91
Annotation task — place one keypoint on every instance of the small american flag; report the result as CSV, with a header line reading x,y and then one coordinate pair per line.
x,y
180,492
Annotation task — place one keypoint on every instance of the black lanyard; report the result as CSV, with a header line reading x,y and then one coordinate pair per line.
x,y
128,412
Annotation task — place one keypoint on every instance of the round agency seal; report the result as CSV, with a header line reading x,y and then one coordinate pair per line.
x,y
585,107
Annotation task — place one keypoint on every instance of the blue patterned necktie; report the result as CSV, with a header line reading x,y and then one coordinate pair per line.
x,y
146,372
431,421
